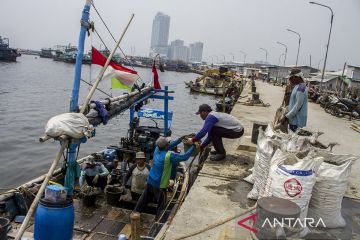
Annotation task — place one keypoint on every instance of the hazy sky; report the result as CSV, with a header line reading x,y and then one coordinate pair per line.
x,y
225,26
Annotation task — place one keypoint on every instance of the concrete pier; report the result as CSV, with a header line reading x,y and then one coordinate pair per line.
x,y
219,191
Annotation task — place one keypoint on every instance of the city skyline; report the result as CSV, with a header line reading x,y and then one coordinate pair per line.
x,y
160,35
176,50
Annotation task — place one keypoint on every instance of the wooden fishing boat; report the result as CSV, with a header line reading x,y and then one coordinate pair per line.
x,y
215,82
101,221
105,219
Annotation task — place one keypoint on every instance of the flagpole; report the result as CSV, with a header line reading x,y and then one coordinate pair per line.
x,y
99,77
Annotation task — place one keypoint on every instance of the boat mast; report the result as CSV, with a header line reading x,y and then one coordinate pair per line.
x,y
72,166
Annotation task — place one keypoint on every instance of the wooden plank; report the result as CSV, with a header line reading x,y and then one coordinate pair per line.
x,y
109,227
86,223
126,230
355,128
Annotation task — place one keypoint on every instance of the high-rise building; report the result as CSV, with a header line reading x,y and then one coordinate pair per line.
x,y
160,34
196,50
178,51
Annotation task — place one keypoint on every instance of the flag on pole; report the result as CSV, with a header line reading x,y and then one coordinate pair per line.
x,y
121,77
156,77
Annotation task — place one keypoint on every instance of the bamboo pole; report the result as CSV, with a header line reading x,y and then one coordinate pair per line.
x,y
40,192
99,77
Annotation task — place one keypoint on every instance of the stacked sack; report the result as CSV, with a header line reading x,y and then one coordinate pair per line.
x,y
265,150
330,187
289,167
295,182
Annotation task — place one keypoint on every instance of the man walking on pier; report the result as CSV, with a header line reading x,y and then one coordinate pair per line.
x,y
217,125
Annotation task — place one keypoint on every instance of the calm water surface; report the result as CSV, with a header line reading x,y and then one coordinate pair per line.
x,y
33,90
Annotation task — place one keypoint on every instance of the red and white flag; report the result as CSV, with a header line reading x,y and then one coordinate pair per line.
x,y
121,77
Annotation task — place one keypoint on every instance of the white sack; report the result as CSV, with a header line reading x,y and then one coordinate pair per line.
x,y
250,179
279,158
74,125
295,183
329,189
265,150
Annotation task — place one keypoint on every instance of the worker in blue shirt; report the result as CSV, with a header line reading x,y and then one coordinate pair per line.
x,y
94,173
298,103
164,163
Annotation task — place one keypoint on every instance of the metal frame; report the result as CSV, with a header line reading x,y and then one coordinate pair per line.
x,y
153,95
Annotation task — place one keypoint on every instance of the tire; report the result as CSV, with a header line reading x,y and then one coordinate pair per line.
x,y
328,108
339,109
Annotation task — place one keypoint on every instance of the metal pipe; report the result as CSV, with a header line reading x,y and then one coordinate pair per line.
x,y
232,56
280,58
319,64
327,46
297,56
266,53
244,55
224,57
285,51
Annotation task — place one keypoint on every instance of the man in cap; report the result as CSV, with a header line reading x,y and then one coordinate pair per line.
x,y
217,125
296,100
138,173
94,173
163,166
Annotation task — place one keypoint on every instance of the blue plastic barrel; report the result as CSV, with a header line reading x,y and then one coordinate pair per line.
x,y
54,221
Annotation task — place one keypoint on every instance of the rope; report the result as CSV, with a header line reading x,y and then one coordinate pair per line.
x,y
214,225
190,165
112,36
172,197
96,88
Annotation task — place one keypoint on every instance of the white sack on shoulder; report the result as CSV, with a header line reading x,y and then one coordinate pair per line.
x,y
74,125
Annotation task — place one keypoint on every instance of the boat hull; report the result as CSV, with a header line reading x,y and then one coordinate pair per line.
x,y
8,55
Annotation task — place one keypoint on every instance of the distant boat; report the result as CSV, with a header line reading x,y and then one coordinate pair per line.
x,y
65,54
6,53
46,53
